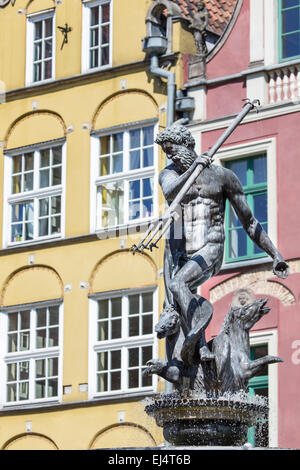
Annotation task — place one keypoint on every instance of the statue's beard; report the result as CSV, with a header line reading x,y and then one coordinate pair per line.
x,y
183,159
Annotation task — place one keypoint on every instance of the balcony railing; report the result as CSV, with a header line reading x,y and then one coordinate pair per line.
x,y
283,84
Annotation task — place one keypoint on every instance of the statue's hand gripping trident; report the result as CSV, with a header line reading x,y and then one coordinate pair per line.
x,y
159,226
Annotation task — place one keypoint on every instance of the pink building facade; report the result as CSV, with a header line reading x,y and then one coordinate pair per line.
x,y
258,57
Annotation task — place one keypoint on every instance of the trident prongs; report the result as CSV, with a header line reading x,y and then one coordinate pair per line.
x,y
157,228
140,247
163,230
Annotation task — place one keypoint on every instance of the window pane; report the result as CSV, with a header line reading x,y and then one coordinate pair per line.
x,y
103,308
56,179
40,389
116,307
133,357
239,167
134,210
146,354
237,243
43,227
37,72
25,319
94,16
259,170
105,34
289,3
17,164
148,135
135,159
12,372
290,20
116,331
53,315
147,302
41,338
147,187
103,331
147,207
117,142
135,138
55,225
112,198
116,360
134,304
48,27
260,207
52,387
94,58
23,370
48,48
12,342
44,157
44,207
105,56
104,166
28,161
102,361
147,325
52,366
148,157
115,379
102,383
291,45
133,376
105,13
48,69
28,181
38,28
23,391
41,316
53,337
44,178
104,144
40,368
117,163
134,189
57,155
55,205
13,321
16,184
94,37
134,326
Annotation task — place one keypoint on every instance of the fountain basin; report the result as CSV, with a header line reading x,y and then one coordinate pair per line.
x,y
217,421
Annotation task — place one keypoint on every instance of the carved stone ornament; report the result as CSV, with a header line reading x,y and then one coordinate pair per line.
x,y
4,3
242,297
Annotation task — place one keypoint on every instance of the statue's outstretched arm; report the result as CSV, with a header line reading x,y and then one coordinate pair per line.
x,y
236,196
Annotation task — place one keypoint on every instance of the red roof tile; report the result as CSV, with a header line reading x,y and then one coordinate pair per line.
x,y
219,12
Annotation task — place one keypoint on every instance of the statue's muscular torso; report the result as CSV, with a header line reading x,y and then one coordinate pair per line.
x,y
203,210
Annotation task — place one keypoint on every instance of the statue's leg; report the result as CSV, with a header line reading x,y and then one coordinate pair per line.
x,y
196,312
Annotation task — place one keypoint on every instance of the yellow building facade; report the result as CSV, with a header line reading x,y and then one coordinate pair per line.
x,y
78,175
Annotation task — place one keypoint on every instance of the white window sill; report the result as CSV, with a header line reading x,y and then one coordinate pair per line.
x,y
96,69
40,82
245,263
31,405
33,242
118,395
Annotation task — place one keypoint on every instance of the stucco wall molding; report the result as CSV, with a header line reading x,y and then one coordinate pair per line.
x,y
259,282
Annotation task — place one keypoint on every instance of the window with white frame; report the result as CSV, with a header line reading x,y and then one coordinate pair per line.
x,y
122,341
32,354
96,34
124,165
34,193
40,54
